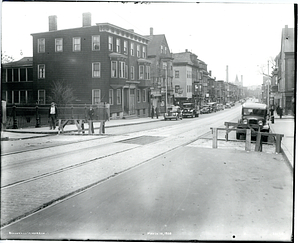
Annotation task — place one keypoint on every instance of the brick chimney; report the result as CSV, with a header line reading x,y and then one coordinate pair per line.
x,y
52,23
86,19
151,31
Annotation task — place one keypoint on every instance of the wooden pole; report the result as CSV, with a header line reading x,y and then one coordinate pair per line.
x,y
215,137
258,145
248,140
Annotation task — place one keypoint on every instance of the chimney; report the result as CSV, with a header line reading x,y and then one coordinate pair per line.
x,y
86,19
52,23
186,50
210,73
151,31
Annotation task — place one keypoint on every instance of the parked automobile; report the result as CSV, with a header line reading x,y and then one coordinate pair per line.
x,y
213,106
205,109
254,115
190,110
174,112
227,106
220,107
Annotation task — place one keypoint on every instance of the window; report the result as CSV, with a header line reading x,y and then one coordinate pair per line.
x,y
41,96
176,73
76,44
96,42
126,47
110,43
16,97
3,75
144,52
118,45
41,45
132,49
148,72
138,96
138,51
58,45
96,96
16,75
165,50
41,71
111,97
122,69
23,96
96,70
9,75
141,71
161,49
23,74
144,95
114,69
119,97
132,72
126,71
29,74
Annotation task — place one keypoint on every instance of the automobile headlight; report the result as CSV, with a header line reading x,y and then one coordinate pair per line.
x,y
260,123
245,121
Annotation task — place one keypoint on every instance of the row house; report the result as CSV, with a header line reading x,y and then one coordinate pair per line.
x,y
162,90
187,76
282,87
102,63
17,81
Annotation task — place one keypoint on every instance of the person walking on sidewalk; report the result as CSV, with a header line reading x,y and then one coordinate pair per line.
x,y
156,111
279,111
52,115
152,112
91,117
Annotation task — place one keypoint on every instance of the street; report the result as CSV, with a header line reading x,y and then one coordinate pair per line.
x,y
145,182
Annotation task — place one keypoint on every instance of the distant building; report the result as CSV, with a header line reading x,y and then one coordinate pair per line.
x,y
17,84
159,54
103,63
187,77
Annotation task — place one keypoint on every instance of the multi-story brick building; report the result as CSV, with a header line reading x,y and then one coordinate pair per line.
x,y
159,54
284,74
103,63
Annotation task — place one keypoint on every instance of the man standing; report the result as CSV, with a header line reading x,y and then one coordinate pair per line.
x,y
91,117
52,115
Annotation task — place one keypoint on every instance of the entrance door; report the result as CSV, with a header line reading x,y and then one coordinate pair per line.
x,y
131,101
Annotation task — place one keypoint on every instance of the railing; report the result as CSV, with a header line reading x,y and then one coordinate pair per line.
x,y
249,133
36,116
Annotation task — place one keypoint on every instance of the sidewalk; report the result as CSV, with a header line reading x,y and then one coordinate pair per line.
x,y
286,126
23,133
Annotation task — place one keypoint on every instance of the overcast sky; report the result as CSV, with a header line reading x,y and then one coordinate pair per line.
x,y
242,36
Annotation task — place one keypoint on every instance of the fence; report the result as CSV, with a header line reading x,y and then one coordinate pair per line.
x,y
36,116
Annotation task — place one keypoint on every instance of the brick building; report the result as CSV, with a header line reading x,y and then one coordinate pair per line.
x,y
103,63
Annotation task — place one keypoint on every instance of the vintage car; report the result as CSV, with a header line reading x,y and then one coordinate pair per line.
x,y
190,110
174,112
255,116
220,107
227,106
205,109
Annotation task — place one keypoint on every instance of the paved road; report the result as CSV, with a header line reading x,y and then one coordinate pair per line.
x,y
191,193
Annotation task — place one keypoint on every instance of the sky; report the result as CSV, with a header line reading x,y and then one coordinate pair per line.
x,y
242,36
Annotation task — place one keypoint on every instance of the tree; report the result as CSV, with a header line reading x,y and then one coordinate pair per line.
x,y
61,92
6,58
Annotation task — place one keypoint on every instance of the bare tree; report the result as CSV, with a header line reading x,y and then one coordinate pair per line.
x,y
61,92
267,68
6,58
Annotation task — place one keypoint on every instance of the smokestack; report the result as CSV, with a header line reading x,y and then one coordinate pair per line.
x,y
151,31
86,19
227,73
52,23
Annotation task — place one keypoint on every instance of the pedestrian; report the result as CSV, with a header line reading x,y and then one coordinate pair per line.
x,y
106,118
90,116
272,114
152,112
279,112
156,111
52,115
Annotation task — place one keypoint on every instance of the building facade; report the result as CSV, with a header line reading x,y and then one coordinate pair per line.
x,y
102,63
162,90
17,82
